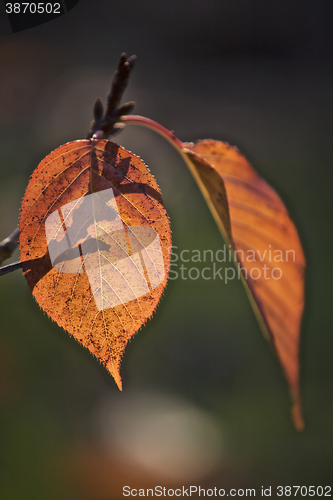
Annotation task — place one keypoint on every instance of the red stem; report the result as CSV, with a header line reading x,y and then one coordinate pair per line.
x,y
146,122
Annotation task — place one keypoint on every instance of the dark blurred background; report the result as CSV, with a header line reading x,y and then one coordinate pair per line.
x,y
204,400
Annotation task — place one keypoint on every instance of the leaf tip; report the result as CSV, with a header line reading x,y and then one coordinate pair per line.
x,y
118,382
114,371
297,417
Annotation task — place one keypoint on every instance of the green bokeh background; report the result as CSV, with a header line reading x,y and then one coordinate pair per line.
x,y
254,74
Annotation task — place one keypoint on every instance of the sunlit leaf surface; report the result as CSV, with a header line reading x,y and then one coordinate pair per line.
x,y
95,244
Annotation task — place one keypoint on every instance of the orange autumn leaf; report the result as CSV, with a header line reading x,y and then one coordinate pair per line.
x,y
95,244
264,241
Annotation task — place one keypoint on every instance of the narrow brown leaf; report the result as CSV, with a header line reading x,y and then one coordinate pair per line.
x,y
268,249
95,244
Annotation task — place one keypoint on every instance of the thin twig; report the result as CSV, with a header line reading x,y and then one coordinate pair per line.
x,y
10,267
8,245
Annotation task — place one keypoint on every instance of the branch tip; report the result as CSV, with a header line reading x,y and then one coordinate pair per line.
x,y
98,109
104,125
